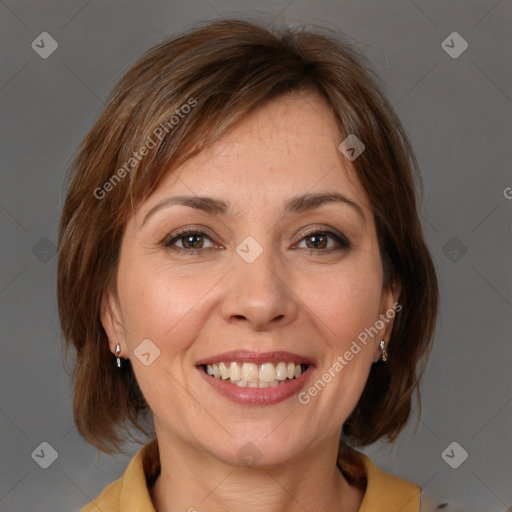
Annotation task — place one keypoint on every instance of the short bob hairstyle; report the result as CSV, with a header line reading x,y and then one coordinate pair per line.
x,y
179,98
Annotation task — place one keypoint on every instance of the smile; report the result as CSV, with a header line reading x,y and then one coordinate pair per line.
x,y
254,375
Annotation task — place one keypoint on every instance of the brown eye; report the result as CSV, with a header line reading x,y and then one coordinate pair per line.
x,y
192,241
320,240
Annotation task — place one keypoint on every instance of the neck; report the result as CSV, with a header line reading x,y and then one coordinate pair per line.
x,y
197,482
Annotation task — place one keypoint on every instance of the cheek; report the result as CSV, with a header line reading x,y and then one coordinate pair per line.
x,y
347,303
160,304
346,312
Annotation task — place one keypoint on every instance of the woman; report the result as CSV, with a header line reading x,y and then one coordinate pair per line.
x,y
242,267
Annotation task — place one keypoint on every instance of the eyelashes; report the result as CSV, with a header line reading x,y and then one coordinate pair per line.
x,y
342,240
190,236
187,233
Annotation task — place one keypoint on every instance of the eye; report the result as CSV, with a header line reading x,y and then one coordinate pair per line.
x,y
192,241
320,240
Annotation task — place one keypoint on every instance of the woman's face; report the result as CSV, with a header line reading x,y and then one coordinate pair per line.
x,y
270,273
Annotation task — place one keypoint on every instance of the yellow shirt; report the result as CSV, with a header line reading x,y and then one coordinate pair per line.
x,y
384,492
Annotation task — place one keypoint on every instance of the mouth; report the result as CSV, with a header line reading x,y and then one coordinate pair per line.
x,y
252,375
252,378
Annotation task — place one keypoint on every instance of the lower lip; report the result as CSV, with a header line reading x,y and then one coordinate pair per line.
x,y
257,396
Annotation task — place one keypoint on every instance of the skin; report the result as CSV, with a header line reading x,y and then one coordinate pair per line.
x,y
197,305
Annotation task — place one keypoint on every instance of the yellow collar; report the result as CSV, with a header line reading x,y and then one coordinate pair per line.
x,y
384,492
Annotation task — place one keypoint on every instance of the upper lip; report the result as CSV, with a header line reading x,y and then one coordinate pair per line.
x,y
250,356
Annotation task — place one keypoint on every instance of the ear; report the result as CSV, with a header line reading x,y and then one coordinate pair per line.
x,y
388,310
111,321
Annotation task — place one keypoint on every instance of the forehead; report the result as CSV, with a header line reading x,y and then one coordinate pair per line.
x,y
285,148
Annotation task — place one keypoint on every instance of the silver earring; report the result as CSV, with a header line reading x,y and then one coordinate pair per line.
x,y
384,352
118,351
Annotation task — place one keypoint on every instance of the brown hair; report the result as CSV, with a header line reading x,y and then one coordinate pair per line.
x,y
224,70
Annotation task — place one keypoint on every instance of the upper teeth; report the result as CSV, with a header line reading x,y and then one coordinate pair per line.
x,y
254,375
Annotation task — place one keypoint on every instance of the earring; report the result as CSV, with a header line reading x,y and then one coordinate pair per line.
x,y
383,350
118,351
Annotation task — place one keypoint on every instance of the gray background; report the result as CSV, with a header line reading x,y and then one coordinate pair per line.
x,y
458,113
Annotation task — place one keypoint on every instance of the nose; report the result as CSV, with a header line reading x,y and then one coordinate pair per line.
x,y
260,293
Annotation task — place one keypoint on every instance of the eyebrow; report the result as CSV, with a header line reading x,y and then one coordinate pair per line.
x,y
297,204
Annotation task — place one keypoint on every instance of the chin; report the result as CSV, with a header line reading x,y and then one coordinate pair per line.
x,y
256,451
